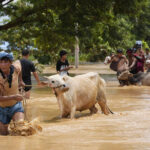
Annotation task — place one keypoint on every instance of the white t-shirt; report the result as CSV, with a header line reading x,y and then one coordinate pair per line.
x,y
147,56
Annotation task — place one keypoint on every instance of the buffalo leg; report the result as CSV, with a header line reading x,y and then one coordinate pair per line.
x,y
101,99
93,110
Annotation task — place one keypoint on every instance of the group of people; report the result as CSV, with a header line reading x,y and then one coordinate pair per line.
x,y
13,76
135,62
16,75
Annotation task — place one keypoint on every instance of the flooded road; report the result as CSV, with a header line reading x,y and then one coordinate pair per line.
x,y
127,129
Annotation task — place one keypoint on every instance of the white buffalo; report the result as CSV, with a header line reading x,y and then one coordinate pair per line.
x,y
79,93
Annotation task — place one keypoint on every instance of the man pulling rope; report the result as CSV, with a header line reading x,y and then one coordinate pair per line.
x,y
10,100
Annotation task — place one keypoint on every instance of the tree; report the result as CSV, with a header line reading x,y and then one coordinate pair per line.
x,y
49,25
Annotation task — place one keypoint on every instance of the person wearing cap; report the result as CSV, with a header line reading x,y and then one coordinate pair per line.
x,y
10,99
62,65
28,67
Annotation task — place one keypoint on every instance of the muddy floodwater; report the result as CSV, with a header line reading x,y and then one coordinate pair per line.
x,y
127,129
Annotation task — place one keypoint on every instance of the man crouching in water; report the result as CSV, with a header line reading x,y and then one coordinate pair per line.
x,y
10,100
119,63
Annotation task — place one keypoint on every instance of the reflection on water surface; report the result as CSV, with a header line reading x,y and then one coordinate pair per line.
x,y
127,129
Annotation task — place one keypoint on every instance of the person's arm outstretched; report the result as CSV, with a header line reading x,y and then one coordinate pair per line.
x,y
16,97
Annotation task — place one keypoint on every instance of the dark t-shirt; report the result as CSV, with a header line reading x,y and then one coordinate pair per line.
x,y
61,65
27,68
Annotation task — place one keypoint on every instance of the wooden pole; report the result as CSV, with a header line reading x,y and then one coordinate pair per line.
x,y
76,52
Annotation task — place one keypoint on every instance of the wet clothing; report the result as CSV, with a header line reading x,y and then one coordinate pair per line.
x,y
6,90
61,65
9,108
27,67
140,63
7,113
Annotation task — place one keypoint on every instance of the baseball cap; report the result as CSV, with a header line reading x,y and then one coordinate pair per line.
x,y
5,54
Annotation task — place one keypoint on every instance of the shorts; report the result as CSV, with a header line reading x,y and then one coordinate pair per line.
x,y
27,82
27,88
7,113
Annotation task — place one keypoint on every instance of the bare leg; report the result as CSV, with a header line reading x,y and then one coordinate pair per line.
x,y
3,129
18,116
93,110
27,94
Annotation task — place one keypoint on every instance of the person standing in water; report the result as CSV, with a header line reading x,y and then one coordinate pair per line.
x,y
132,60
10,101
140,60
119,63
28,67
62,65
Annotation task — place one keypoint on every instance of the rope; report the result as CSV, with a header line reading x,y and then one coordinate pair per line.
x,y
33,85
22,92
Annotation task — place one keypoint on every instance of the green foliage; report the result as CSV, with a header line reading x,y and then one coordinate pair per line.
x,y
145,45
47,26
39,67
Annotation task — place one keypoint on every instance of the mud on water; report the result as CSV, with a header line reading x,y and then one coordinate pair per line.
x,y
127,129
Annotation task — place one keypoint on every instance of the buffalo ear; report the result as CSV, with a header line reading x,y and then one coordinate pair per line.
x,y
65,78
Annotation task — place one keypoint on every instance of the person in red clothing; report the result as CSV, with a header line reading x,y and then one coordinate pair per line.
x,y
140,60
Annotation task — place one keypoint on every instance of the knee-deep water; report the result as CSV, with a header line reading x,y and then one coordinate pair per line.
x,y
127,129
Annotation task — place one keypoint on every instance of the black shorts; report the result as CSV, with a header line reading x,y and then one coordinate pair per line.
x,y
29,83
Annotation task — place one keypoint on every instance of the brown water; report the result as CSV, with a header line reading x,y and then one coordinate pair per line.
x,y
127,129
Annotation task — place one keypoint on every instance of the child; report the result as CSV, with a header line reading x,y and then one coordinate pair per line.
x,y
62,65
